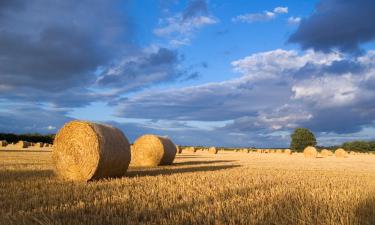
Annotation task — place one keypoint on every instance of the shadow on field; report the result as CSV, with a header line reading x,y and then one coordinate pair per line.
x,y
191,156
366,212
10,175
202,162
139,172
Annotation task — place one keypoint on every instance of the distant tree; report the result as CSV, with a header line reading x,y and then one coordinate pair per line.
x,y
301,138
358,146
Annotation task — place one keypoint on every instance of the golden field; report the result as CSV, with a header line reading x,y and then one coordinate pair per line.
x,y
199,188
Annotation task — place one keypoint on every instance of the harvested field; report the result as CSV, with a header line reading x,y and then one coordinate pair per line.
x,y
199,188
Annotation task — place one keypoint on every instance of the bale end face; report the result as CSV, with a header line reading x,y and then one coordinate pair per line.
x,y
85,151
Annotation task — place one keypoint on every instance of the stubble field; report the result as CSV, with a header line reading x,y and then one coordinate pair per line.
x,y
200,188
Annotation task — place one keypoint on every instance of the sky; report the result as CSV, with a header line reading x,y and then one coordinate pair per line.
x,y
202,72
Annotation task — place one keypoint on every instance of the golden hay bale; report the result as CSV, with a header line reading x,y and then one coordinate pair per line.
x,y
190,149
212,150
3,143
266,151
287,151
259,151
152,150
85,151
22,144
179,149
310,152
326,152
341,153
40,145
352,153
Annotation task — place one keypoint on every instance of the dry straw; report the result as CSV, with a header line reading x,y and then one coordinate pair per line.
x,y
326,152
152,150
310,152
341,153
212,150
85,151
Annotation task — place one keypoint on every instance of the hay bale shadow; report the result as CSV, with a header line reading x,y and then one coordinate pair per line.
x,y
140,172
202,162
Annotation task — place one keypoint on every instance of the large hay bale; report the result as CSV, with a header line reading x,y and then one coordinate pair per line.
x,y
190,149
310,152
341,153
152,150
326,152
212,150
85,151
3,143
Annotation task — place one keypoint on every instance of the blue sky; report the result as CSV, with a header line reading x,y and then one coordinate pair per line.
x,y
203,72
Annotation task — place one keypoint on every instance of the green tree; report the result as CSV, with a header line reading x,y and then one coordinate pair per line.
x,y
301,138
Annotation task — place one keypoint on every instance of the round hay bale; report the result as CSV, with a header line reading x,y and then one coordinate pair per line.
x,y
287,151
352,153
22,144
310,152
341,153
85,151
326,152
179,149
3,143
190,149
40,145
259,151
212,150
152,150
266,151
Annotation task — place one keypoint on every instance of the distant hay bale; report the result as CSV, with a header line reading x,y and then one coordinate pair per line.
x,y
179,149
85,151
287,151
259,151
272,151
326,152
352,153
266,151
3,143
310,152
40,145
152,150
341,153
22,144
190,149
279,151
212,150
245,150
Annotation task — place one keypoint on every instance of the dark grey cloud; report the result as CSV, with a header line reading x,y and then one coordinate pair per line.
x,y
195,8
55,47
341,24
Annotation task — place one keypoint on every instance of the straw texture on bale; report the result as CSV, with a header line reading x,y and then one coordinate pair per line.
x,y
85,151
152,150
326,152
310,152
341,153
213,150
3,143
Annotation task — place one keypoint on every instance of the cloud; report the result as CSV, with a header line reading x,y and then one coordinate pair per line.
x,y
180,28
52,49
276,92
260,17
294,20
146,68
352,21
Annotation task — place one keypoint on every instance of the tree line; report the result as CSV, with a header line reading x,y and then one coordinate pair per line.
x,y
302,137
13,138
